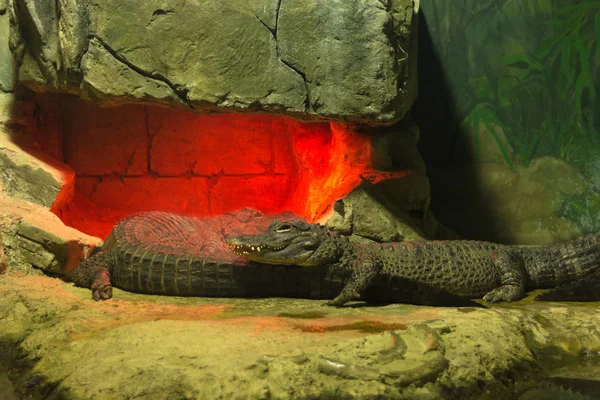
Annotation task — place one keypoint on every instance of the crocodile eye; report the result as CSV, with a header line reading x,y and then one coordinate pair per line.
x,y
283,228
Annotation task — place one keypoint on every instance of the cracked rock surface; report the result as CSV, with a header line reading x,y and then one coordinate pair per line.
x,y
353,60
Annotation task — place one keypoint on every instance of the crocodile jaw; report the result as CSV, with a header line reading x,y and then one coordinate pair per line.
x,y
288,254
292,242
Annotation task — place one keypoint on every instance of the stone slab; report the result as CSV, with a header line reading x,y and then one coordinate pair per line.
x,y
29,174
353,60
391,211
139,346
33,239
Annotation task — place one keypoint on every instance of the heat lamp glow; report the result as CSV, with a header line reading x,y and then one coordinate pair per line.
x,y
141,158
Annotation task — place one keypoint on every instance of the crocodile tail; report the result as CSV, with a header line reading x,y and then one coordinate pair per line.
x,y
581,255
584,289
558,264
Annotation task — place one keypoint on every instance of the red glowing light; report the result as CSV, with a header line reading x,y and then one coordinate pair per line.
x,y
139,158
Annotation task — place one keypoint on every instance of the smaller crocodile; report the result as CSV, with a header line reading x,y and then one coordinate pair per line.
x,y
471,269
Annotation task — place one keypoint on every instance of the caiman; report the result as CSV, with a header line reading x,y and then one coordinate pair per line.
x,y
169,254
470,269
163,253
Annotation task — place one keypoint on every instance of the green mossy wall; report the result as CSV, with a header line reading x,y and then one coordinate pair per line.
x,y
511,81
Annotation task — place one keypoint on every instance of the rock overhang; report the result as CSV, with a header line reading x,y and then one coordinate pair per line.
x,y
351,61
159,68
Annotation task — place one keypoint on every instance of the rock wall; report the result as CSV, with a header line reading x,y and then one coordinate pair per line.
x,y
94,166
395,209
8,66
352,60
513,205
32,182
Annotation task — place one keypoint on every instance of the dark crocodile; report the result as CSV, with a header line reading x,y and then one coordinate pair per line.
x,y
464,268
163,253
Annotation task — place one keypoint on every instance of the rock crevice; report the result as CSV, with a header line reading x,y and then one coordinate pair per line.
x,y
319,61
179,91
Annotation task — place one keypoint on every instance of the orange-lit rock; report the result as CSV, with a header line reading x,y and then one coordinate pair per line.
x,y
32,236
138,158
268,193
99,141
100,202
231,144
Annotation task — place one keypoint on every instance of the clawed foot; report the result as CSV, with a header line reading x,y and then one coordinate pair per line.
x,y
332,303
504,293
101,290
343,298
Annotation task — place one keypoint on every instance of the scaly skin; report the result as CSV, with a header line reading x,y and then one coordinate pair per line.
x,y
162,253
463,268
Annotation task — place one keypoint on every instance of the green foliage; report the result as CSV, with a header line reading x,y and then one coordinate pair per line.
x,y
584,210
534,77
529,68
565,63
484,115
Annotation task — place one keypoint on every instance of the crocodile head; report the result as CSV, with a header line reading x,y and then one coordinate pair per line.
x,y
292,242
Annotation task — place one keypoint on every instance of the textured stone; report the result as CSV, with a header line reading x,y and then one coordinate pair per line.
x,y
35,239
138,193
34,119
233,192
395,147
492,201
353,60
29,174
102,141
410,193
8,64
7,390
274,347
7,102
112,81
366,214
184,143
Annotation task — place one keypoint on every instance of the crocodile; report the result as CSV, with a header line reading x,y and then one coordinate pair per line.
x,y
170,254
470,269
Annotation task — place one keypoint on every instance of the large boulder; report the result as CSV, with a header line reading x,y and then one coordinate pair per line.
x,y
392,209
352,60
512,205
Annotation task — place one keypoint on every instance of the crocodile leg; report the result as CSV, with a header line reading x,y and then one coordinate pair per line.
x,y
364,270
94,273
512,279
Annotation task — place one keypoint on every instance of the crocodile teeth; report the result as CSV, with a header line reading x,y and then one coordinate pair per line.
x,y
247,249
